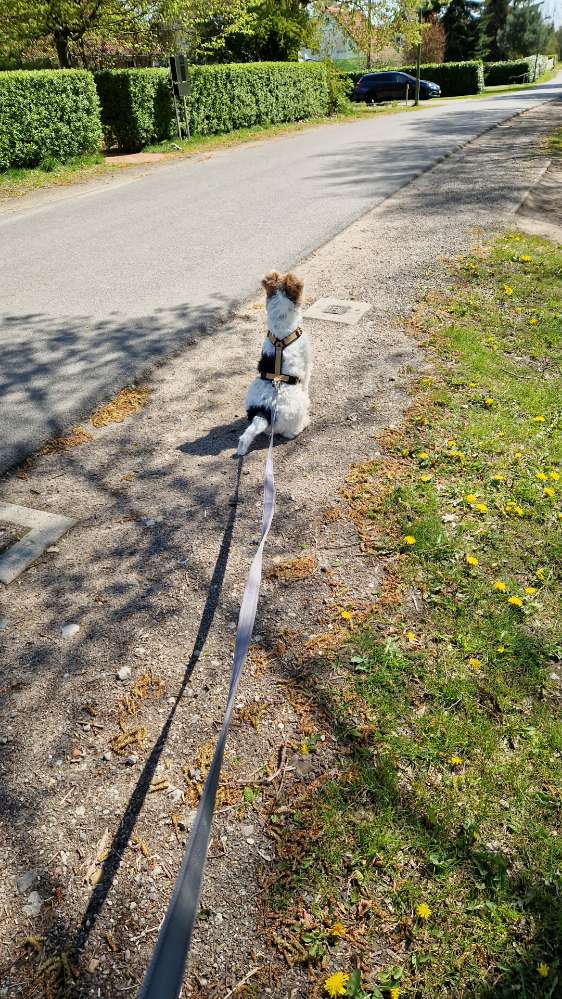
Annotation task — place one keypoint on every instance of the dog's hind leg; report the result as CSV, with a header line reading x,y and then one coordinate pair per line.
x,y
257,426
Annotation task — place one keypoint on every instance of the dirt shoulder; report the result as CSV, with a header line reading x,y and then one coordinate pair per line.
x,y
100,775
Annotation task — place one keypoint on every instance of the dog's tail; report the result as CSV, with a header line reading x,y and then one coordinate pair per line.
x,y
257,426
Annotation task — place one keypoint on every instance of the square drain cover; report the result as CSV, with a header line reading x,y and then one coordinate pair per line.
x,y
336,310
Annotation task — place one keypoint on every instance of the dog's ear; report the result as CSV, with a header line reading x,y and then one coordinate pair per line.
x,y
271,282
293,288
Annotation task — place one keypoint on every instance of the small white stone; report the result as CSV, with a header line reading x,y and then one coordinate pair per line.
x,y
34,904
124,673
80,811
25,881
69,630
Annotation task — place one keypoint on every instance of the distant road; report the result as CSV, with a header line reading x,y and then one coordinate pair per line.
x,y
97,286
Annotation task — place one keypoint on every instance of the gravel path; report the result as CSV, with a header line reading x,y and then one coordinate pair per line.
x,y
95,288
154,571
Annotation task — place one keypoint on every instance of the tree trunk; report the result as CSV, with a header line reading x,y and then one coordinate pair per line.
x,y
61,45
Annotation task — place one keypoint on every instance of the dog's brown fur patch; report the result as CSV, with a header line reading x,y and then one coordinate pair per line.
x,y
271,283
293,288
290,284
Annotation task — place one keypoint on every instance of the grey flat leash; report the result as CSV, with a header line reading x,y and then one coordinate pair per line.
x,y
164,977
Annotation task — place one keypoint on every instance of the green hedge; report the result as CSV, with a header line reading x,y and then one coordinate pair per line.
x,y
498,73
47,114
455,78
136,107
136,104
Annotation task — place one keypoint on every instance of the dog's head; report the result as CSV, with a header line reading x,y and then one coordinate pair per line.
x,y
283,301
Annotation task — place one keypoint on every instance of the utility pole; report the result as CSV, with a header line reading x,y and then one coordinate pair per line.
x,y
369,34
418,59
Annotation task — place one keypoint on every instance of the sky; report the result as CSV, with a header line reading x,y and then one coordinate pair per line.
x,y
553,9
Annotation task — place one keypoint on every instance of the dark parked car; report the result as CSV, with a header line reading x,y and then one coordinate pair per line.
x,y
377,87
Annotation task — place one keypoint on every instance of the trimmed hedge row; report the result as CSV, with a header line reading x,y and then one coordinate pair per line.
x,y
137,108
498,73
455,78
47,114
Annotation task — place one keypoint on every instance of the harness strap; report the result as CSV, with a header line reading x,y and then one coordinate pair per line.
x,y
288,379
279,348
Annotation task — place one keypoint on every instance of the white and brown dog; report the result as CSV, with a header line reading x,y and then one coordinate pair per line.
x,y
286,361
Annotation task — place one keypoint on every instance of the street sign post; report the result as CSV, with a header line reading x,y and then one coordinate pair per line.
x,y
181,88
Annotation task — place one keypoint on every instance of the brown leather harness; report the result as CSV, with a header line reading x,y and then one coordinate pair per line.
x,y
276,375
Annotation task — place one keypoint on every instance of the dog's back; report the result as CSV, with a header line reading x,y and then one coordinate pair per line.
x,y
285,362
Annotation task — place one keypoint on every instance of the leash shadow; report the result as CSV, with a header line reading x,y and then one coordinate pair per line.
x,y
128,821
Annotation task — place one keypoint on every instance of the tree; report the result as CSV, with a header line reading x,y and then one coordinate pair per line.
x,y
525,32
278,29
65,23
374,24
494,18
155,26
433,42
463,30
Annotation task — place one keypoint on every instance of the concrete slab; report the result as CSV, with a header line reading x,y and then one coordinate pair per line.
x,y
338,310
44,530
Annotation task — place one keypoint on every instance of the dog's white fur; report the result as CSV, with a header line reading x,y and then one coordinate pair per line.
x,y
283,307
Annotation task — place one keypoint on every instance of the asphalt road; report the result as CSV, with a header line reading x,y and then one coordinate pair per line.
x,y
96,287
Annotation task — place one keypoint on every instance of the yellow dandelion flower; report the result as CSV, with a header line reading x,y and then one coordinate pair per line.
x,y
410,636
409,539
337,930
451,443
500,648
518,454
519,511
423,910
507,290
543,970
540,573
533,322
554,475
471,559
515,601
425,478
393,993
549,491
498,478
524,258
489,401
481,507
423,455
475,663
346,615
530,590
335,984
455,761
542,476
500,585
470,498
538,419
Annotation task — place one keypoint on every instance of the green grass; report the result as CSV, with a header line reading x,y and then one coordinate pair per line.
x,y
448,720
15,182
554,143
